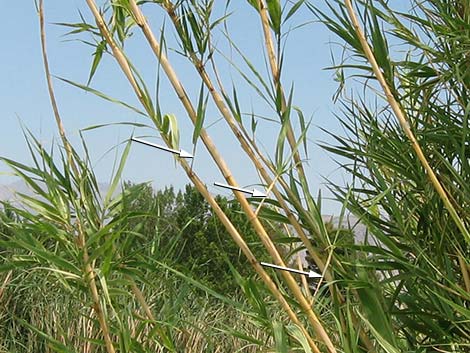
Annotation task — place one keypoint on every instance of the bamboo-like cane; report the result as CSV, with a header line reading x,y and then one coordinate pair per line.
x,y
122,61
171,74
255,155
403,120
404,123
89,270
275,71
250,148
276,75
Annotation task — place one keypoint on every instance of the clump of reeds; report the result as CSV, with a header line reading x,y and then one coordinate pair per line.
x,y
405,289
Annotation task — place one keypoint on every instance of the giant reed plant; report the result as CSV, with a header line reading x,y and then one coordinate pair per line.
x,y
407,151
406,288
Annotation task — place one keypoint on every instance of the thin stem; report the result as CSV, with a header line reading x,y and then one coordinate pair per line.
x,y
250,148
90,280
50,88
5,283
465,272
89,270
403,120
120,58
275,71
258,227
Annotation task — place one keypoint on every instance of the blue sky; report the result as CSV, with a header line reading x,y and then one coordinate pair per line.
x,y
25,99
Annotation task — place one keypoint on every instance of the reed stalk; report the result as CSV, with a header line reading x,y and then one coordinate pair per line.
x,y
89,274
177,85
276,77
403,120
122,61
225,112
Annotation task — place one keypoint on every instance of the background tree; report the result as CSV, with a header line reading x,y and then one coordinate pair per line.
x,y
194,241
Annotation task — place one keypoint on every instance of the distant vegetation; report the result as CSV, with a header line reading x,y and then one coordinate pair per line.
x,y
190,237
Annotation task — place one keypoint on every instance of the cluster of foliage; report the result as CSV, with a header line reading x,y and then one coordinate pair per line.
x,y
190,234
151,271
407,153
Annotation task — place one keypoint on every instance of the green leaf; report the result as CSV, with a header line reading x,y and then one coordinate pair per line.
x,y
293,9
118,174
280,337
97,55
299,336
254,3
274,9
170,129
200,115
384,343
102,95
